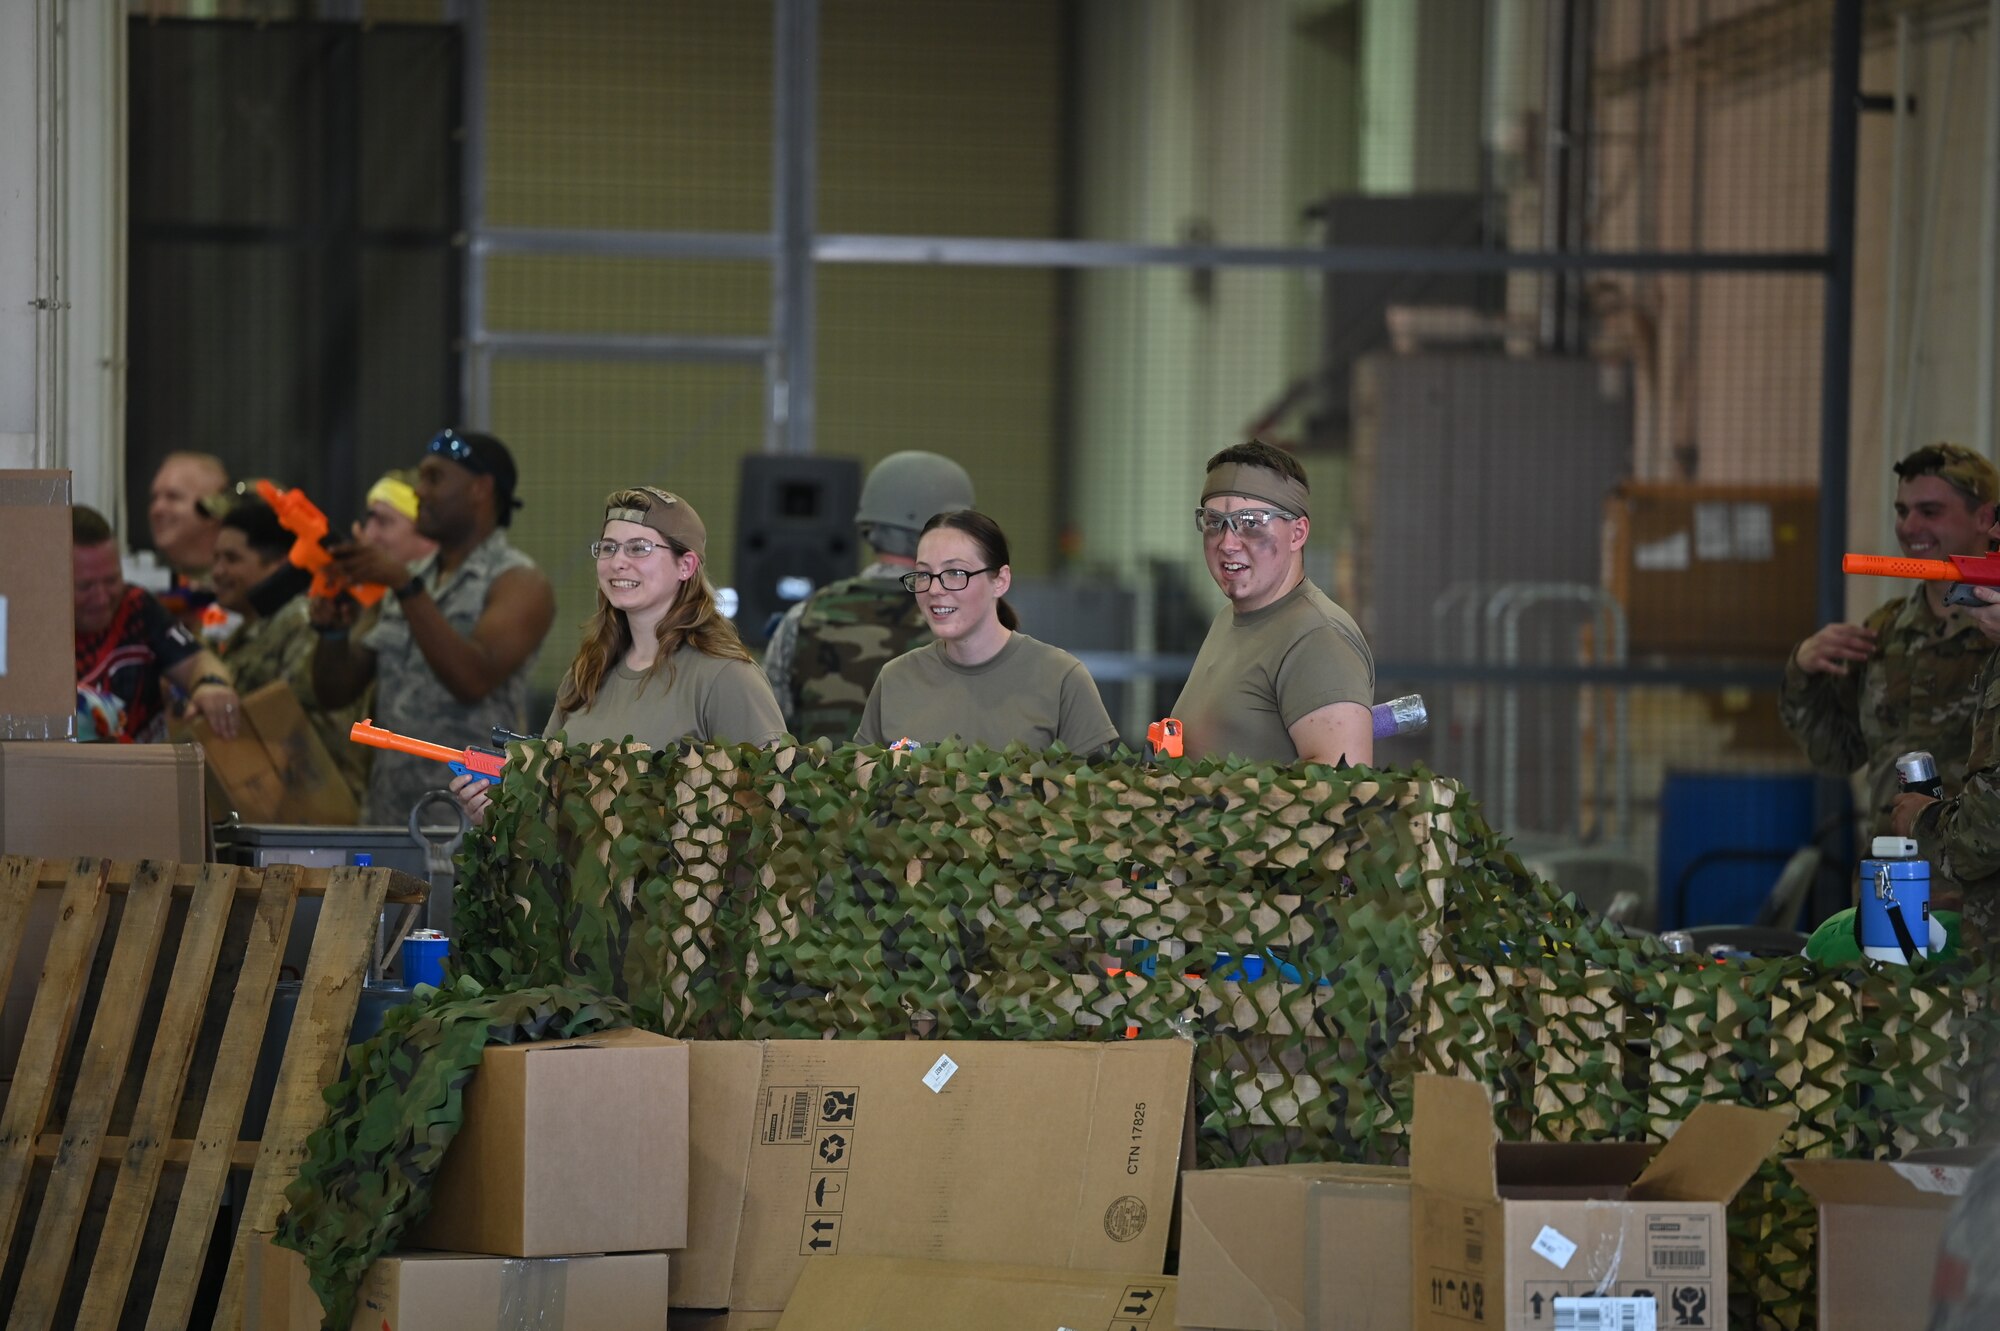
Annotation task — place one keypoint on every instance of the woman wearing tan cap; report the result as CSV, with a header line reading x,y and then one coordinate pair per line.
x,y
659,662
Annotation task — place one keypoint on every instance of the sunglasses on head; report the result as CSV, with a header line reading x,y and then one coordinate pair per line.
x,y
448,444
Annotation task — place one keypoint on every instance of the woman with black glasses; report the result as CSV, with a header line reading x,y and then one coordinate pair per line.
x,y
659,663
981,679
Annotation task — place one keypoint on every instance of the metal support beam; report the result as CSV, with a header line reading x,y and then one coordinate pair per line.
x,y
1989,241
622,346
475,404
793,216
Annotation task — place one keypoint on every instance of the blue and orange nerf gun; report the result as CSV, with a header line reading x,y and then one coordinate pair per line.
x,y
302,518
485,764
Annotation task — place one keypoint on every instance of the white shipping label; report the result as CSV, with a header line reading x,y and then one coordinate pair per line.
x,y
940,1073
1554,1247
1607,1315
1946,1179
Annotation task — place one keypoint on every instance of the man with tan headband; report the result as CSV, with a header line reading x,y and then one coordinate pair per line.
x,y
1857,696
1284,674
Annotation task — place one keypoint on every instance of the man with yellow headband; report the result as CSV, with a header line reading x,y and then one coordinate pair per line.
x,y
389,522
1284,674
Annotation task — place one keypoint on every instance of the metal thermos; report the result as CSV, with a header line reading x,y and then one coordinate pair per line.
x,y
1918,772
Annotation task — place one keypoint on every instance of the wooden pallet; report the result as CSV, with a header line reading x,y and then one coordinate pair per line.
x,y
155,1093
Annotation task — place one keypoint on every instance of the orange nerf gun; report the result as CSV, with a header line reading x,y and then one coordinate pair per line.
x,y
303,520
1968,571
482,763
1163,739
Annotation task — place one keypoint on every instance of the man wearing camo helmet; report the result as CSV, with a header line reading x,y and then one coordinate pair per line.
x,y
827,650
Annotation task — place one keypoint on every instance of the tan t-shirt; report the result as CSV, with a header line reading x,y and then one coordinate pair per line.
x,y
710,700
1029,691
1259,673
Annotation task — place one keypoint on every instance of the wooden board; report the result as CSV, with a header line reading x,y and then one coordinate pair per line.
x,y
89,1110
222,1111
144,1153
329,995
313,791
74,942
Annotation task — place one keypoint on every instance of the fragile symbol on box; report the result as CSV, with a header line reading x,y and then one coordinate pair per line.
x,y
820,1236
1689,1306
837,1105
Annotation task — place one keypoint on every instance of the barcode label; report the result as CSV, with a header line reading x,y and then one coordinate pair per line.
x,y
787,1114
1606,1315
1680,1259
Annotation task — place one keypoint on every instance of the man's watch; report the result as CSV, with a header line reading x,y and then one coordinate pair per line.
x,y
409,589
205,680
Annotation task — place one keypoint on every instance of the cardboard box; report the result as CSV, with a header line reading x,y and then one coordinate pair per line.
x,y
62,801
442,1291
1500,1231
1295,1247
1881,1225
276,770
569,1146
37,608
903,1294
1712,570
119,801
1038,1154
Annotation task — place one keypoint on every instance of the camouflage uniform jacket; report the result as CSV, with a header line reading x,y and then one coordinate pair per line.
x,y
824,657
1917,692
1960,836
281,647
410,698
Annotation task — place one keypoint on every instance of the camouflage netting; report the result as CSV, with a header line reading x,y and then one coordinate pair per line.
x,y
962,893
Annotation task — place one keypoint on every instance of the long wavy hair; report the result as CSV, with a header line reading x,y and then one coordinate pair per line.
x,y
693,619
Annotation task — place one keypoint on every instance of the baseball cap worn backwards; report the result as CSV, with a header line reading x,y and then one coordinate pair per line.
x,y
482,455
668,514
1253,482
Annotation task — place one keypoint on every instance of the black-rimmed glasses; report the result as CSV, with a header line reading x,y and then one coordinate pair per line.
x,y
951,579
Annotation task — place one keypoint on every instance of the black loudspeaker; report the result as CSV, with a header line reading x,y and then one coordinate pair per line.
x,y
794,532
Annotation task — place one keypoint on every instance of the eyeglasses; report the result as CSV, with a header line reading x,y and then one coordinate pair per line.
x,y
951,579
637,548
1244,521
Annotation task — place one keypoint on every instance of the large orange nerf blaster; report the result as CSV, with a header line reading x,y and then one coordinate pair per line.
x,y
1968,571
482,763
303,520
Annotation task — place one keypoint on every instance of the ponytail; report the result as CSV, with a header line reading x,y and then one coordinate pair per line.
x,y
1008,619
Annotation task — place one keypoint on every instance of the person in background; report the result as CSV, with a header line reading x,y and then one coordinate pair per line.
x,y
451,652
1284,674
183,532
251,576
981,678
127,645
389,522
1858,696
825,653
659,663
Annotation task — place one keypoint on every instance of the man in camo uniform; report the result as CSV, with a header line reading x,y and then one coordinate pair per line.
x,y
827,650
1860,695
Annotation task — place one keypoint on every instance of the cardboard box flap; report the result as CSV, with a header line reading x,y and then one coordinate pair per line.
x,y
624,1037
1713,1154
1876,1183
1452,1135
910,1294
1587,1165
